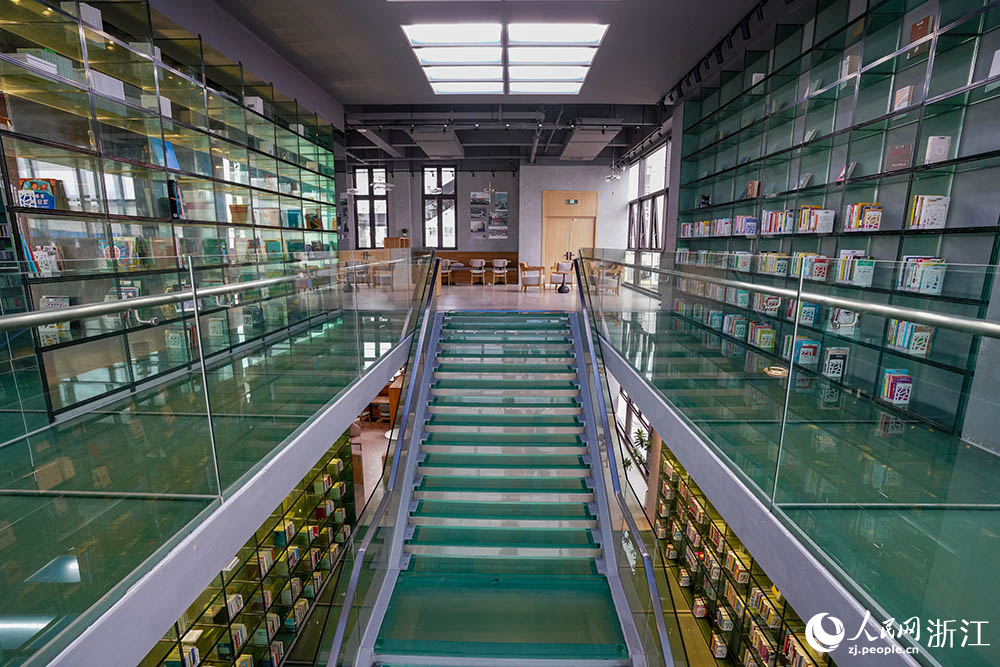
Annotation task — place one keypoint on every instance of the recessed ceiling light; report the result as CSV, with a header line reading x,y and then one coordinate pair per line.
x,y
545,87
465,73
588,34
550,55
547,72
460,55
436,34
467,87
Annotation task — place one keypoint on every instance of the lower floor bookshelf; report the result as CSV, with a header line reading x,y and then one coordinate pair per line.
x,y
256,609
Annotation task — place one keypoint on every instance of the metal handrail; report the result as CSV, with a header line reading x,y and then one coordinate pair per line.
x,y
42,317
956,322
383,506
647,562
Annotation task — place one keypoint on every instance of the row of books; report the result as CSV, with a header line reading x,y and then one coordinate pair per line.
x,y
909,337
757,600
811,266
929,212
897,386
863,216
813,219
923,274
735,566
761,335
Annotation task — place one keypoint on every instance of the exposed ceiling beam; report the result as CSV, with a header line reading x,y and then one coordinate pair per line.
x,y
380,142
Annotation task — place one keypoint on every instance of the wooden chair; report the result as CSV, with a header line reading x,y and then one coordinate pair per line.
x,y
478,270
532,276
610,280
498,269
559,272
446,270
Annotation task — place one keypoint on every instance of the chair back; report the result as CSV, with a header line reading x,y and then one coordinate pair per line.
x,y
445,264
500,263
564,267
477,264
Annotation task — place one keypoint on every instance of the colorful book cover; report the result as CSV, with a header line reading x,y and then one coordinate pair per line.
x,y
37,192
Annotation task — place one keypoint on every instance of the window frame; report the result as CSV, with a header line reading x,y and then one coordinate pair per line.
x,y
649,233
439,200
368,199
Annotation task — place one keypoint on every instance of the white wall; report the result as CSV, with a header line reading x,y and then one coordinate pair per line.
x,y
612,203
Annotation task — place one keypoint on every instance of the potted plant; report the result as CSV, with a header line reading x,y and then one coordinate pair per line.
x,y
404,232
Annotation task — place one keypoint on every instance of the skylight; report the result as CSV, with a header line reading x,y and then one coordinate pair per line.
x,y
541,58
550,55
433,34
584,34
545,87
460,55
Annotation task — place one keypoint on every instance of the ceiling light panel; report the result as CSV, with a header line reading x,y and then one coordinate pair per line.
x,y
465,73
547,72
467,87
545,87
550,55
582,34
460,55
440,34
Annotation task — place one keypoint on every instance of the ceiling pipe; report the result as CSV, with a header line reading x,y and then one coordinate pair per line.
x,y
552,133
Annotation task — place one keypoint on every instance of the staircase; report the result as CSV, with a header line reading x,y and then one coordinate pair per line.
x,y
503,560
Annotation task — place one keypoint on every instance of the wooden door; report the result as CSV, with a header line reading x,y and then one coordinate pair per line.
x,y
569,222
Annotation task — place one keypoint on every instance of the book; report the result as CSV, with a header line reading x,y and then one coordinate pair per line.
x,y
53,333
922,274
863,216
804,179
40,193
897,386
902,98
176,199
846,171
929,211
897,156
914,339
835,362
918,30
810,135
938,148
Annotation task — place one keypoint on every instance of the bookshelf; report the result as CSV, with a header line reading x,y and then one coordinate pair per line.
x,y
865,140
740,613
127,143
258,607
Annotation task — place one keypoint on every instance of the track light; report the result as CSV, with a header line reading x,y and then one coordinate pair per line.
x,y
697,75
718,55
729,41
760,12
745,30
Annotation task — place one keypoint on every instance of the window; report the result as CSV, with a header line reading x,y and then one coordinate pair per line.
x,y
647,191
439,207
371,207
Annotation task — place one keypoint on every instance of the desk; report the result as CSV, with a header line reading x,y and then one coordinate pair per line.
x,y
374,405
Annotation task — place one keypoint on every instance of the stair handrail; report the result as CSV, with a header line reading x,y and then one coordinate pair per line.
x,y
647,563
383,506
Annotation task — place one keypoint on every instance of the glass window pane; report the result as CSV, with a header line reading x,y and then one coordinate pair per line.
x,y
633,181
447,181
646,216
430,181
361,180
430,223
378,176
656,168
448,239
364,224
381,220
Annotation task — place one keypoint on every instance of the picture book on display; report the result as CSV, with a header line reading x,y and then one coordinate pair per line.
x,y
863,216
809,315
855,268
835,362
745,225
815,220
804,351
938,149
41,193
921,273
911,338
897,386
897,156
929,211
918,30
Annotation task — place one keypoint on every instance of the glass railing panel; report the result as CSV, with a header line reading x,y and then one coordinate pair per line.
x,y
144,469
882,456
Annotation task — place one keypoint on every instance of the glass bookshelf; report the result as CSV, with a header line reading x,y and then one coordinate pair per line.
x,y
258,607
884,107
128,143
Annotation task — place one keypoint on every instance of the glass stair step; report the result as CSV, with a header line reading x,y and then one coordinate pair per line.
x,y
496,542
470,470
504,420
494,515
503,489
489,429
503,450
511,357
569,618
554,345
530,327
525,439
488,410
555,567
493,338
524,461
497,387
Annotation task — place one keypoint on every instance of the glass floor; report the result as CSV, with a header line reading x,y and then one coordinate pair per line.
x,y
85,504
908,513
